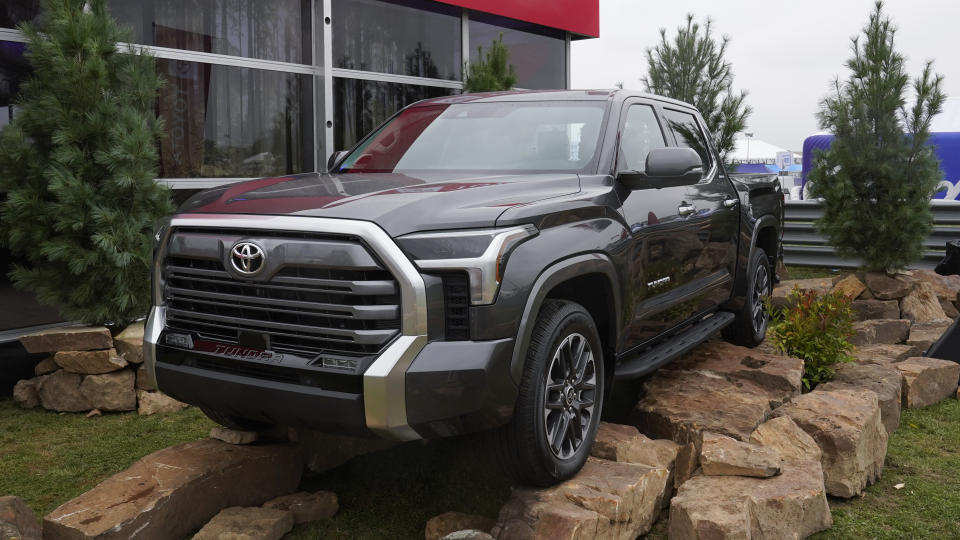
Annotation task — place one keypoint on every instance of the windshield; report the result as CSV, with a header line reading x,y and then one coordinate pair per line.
x,y
499,137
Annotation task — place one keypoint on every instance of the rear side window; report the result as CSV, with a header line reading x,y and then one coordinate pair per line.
x,y
641,134
688,134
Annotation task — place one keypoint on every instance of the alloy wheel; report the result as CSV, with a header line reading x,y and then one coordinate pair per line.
x,y
570,396
761,286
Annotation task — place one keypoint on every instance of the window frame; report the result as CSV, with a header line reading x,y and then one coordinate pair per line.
x,y
624,111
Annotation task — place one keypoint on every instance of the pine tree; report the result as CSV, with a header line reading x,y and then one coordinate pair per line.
x,y
78,164
492,72
693,68
879,174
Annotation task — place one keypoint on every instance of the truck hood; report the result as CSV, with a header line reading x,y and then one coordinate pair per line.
x,y
399,203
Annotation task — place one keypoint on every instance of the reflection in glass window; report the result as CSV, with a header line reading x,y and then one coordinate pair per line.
x,y
14,12
641,134
224,121
361,106
13,70
688,133
406,38
269,30
540,59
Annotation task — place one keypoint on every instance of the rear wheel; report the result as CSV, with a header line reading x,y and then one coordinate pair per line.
x,y
750,326
560,400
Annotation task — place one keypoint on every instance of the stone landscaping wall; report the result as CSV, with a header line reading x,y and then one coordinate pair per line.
x,y
89,370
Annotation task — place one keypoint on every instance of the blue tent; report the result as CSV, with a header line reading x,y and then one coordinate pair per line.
x,y
754,168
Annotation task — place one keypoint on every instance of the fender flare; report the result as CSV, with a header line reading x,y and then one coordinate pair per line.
x,y
553,275
757,227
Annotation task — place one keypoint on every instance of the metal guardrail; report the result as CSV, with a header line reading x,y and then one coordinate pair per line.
x,y
804,246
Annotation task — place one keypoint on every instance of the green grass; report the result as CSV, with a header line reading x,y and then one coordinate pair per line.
x,y
48,458
806,272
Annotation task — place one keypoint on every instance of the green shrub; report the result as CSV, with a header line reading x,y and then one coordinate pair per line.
x,y
816,329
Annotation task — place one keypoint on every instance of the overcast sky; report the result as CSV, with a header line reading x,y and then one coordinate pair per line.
x,y
784,54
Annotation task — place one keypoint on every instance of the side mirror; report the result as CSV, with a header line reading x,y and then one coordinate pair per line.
x,y
666,167
334,158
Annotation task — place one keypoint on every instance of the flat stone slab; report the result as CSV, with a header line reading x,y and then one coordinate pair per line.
x,y
111,391
129,343
875,309
846,426
945,287
792,443
307,507
173,492
605,499
618,442
83,338
927,380
238,523
439,527
884,287
850,286
923,335
883,353
15,512
90,362
233,436
887,331
157,403
921,304
722,456
778,296
883,380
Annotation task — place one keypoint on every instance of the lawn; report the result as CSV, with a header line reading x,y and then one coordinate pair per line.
x,y
48,458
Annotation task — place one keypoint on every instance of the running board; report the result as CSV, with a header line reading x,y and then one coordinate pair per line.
x,y
651,359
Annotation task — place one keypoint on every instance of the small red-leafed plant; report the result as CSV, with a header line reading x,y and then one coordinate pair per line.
x,y
815,328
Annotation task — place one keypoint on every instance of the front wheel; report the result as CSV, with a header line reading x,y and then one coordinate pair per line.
x,y
560,400
750,326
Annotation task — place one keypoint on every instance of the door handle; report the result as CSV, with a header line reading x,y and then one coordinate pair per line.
x,y
686,209
730,203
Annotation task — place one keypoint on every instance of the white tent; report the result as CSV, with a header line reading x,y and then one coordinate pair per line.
x,y
752,149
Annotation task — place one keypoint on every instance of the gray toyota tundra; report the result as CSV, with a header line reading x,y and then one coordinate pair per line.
x,y
478,262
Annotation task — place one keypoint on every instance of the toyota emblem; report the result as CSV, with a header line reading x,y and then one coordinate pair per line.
x,y
247,258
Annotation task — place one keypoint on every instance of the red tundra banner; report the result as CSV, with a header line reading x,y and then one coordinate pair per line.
x,y
577,16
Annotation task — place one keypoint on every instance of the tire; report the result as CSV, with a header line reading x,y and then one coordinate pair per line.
x,y
549,438
750,326
233,422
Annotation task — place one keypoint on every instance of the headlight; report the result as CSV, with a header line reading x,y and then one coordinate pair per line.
x,y
481,253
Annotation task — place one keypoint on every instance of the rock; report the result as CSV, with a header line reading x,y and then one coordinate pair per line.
x,y
173,492
617,442
237,523
129,343
468,534
45,367
687,464
94,413
308,507
889,331
883,380
780,374
722,456
60,391
923,335
14,511
680,405
143,379
884,287
90,362
157,403
450,522
883,353
783,289
921,304
846,426
785,436
233,436
85,338
949,309
605,499
849,286
875,309
25,393
110,391
791,505
945,287
324,451
927,380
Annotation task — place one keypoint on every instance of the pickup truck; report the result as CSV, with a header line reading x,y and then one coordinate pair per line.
x,y
478,262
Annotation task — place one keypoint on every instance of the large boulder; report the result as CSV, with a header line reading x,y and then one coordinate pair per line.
x,y
307,507
14,511
949,309
945,287
864,310
85,338
25,393
60,391
889,331
439,527
921,304
883,380
923,335
45,367
606,499
850,286
884,287
927,380
846,426
110,391
884,353
722,456
617,442
792,443
238,523
129,343
778,296
90,362
173,492
157,403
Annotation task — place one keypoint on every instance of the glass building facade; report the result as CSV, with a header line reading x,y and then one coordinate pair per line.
x,y
270,87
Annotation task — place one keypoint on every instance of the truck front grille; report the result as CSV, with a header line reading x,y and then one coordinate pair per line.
x,y
319,295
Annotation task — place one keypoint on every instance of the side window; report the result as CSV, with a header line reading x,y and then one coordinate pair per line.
x,y
641,134
688,134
